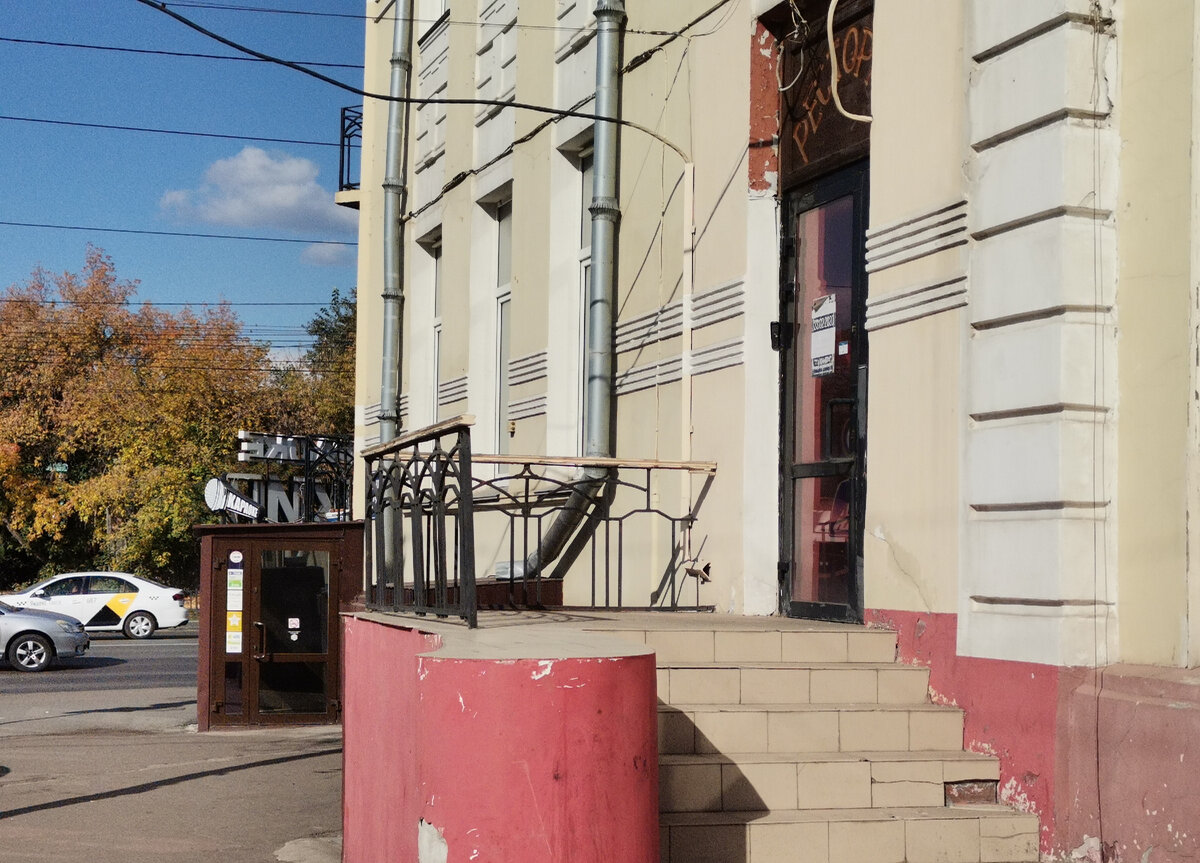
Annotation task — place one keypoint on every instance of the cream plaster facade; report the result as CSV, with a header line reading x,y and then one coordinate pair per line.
x,y
1032,303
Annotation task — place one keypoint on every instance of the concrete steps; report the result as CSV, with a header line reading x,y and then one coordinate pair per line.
x,y
966,834
756,781
730,728
783,740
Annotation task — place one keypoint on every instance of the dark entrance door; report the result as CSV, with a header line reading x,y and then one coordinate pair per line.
x,y
823,370
270,640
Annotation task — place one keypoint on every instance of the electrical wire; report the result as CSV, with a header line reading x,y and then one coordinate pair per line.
x,y
164,53
189,234
139,303
407,100
231,7
118,128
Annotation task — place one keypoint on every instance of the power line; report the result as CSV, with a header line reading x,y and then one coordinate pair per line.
x,y
189,234
267,10
406,100
164,53
139,303
188,133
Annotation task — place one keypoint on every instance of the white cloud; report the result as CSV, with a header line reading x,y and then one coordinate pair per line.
x,y
260,190
328,255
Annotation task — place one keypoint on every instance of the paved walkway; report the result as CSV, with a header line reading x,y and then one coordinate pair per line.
x,y
121,775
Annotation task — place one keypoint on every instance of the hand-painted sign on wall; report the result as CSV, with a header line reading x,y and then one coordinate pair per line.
x,y
816,137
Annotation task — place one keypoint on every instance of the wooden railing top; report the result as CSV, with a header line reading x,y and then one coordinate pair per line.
x,y
581,461
454,424
419,436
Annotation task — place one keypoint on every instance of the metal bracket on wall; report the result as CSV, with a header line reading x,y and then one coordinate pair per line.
x,y
780,336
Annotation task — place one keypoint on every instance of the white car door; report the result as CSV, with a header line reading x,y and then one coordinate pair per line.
x,y
109,599
64,595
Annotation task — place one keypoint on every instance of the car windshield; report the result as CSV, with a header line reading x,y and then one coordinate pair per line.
x,y
4,606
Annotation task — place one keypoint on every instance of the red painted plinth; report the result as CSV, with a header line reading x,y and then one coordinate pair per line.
x,y
496,759
1104,753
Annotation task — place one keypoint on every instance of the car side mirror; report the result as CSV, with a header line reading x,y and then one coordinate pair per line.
x,y
38,594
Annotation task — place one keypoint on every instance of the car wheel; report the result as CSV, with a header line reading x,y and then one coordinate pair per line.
x,y
30,652
140,624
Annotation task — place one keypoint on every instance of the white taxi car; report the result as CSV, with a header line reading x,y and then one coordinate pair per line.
x,y
107,602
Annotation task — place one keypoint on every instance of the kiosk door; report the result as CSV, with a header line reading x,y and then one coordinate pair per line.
x,y
275,640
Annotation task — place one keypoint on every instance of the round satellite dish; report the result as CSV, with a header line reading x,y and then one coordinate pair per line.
x,y
214,494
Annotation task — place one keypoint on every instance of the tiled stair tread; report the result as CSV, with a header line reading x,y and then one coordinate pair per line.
x,y
956,755
801,707
795,664
657,621
985,811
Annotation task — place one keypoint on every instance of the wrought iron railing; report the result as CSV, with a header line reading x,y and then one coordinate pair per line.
x,y
440,538
636,550
351,143
420,540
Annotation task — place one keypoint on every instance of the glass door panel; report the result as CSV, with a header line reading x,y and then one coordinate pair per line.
x,y
291,631
822,307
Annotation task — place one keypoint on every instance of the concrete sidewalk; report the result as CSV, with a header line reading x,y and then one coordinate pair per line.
x,y
114,776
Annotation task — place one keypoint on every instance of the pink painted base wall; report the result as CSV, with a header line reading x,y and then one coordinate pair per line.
x,y
529,760
380,749
1142,747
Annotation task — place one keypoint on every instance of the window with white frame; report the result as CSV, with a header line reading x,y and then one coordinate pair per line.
x,y
503,320
435,252
585,280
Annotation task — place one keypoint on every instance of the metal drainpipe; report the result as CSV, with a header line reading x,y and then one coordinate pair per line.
x,y
395,199
606,216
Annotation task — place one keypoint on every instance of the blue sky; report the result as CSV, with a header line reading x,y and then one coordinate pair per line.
x,y
64,175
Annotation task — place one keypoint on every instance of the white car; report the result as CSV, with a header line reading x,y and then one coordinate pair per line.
x,y
107,602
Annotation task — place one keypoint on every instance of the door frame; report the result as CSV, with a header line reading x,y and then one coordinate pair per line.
x,y
343,541
850,181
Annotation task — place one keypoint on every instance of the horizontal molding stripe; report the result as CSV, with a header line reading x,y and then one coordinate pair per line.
x,y
722,303
1032,315
649,375
529,368
1037,123
1041,506
719,304
1038,411
716,357
453,390
521,409
916,303
1067,210
709,358
917,237
655,326
1035,602
1039,29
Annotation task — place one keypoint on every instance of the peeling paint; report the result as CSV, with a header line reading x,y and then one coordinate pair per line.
x,y
545,666
1013,793
431,844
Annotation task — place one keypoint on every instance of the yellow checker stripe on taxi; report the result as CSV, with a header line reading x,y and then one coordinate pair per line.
x,y
120,603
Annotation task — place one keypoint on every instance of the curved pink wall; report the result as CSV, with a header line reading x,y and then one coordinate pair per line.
x,y
530,760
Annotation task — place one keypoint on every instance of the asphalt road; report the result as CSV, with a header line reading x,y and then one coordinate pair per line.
x,y
165,660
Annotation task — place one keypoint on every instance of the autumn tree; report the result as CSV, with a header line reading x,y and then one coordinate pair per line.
x,y
315,393
112,417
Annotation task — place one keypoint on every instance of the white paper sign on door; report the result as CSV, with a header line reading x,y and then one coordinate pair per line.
x,y
824,327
